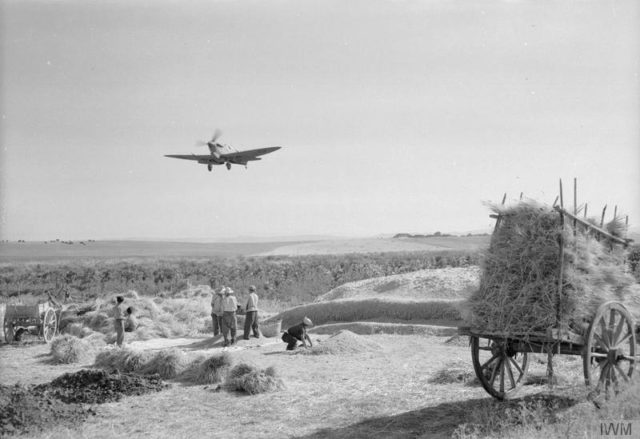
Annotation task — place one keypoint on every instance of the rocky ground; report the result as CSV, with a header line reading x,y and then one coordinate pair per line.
x,y
67,400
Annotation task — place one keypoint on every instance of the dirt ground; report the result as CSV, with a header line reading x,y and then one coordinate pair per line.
x,y
384,393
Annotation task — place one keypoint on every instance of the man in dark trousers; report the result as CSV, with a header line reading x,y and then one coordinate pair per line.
x,y
251,314
229,320
297,333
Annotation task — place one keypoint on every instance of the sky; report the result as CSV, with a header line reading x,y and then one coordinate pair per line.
x,y
393,115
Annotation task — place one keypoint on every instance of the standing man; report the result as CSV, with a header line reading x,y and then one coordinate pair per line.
x,y
251,316
229,321
118,320
216,311
297,333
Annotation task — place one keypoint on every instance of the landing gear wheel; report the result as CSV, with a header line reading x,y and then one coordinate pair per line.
x,y
209,167
228,166
500,369
49,325
609,356
8,332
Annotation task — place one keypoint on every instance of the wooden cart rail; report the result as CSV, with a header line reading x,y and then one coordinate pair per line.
x,y
554,340
24,311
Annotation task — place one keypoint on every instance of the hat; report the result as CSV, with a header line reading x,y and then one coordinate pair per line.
x,y
252,288
307,321
228,291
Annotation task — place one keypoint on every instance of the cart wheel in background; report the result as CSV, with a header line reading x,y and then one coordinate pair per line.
x,y
8,332
609,356
500,369
49,324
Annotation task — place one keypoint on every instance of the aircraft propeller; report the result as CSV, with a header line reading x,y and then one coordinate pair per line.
x,y
217,133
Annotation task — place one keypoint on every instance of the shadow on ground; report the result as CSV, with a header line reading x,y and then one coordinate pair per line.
x,y
433,422
208,343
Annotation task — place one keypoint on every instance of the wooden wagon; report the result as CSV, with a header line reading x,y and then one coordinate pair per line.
x,y
41,319
607,344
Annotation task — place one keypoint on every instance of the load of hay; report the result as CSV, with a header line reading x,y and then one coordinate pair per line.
x,y
519,288
252,380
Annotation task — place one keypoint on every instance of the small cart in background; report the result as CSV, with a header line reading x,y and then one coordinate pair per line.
x,y
41,319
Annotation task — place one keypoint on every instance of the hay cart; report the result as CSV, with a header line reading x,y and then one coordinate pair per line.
x,y
607,344
41,319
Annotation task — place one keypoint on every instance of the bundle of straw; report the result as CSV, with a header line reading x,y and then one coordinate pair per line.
x,y
210,370
166,363
520,282
70,349
252,380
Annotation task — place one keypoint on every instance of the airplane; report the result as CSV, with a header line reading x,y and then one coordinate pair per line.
x,y
221,154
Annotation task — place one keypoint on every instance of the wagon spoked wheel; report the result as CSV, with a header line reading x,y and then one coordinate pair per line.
x,y
500,369
609,356
49,324
8,332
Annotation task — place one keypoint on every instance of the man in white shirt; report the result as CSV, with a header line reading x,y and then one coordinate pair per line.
x,y
118,320
251,315
229,320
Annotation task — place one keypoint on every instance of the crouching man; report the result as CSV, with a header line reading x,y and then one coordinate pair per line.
x,y
297,333
131,322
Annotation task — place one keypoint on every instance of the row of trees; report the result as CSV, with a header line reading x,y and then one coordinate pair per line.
x,y
291,280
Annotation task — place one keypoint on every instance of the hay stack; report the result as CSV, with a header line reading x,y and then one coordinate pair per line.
x,y
77,330
210,370
70,349
247,378
520,275
271,329
167,363
134,360
213,369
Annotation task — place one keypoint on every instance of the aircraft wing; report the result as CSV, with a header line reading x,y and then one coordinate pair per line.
x,y
189,157
249,155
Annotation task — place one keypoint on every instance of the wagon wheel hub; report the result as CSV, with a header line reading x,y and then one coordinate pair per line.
x,y
612,356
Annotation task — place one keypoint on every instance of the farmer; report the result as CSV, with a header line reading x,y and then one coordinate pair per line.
x,y
118,320
297,333
229,321
216,311
251,315
131,322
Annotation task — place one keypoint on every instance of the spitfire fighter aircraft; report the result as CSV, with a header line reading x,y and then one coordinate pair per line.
x,y
221,154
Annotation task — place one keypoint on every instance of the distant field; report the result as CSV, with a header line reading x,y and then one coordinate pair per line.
x,y
111,250
380,245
